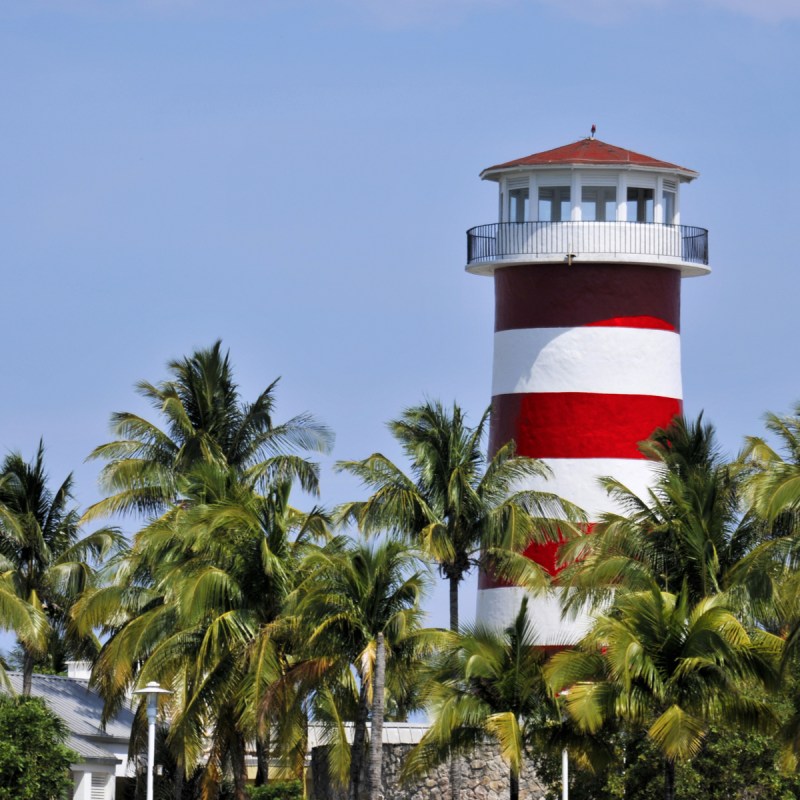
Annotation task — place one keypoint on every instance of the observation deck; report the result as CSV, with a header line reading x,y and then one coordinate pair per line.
x,y
500,244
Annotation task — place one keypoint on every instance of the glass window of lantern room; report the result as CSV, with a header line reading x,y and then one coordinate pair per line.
x,y
641,204
598,203
518,205
669,207
554,203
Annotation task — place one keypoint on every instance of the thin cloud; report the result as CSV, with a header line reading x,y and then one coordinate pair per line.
x,y
772,10
604,11
405,13
415,12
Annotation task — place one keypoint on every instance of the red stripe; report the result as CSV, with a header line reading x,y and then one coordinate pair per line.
x,y
545,555
578,424
651,323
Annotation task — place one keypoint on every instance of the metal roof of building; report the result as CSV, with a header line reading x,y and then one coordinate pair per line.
x,y
81,710
80,707
89,751
393,733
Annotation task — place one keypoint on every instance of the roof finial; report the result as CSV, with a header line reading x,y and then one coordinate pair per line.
x,y
594,130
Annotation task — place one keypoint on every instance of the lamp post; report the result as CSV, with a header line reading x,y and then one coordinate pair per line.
x,y
152,690
564,761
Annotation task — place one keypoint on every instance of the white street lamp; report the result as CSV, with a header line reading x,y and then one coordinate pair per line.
x,y
564,762
152,690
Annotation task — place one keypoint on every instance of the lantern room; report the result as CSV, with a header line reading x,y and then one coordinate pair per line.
x,y
588,201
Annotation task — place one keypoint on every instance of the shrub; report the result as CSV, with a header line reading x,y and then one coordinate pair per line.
x,y
278,790
34,761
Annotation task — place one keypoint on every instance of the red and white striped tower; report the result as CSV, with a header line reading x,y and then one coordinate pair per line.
x,y
587,260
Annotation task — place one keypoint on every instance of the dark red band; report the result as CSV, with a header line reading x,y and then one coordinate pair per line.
x,y
561,296
578,424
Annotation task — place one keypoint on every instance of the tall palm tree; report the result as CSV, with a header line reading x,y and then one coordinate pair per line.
x,y
43,559
670,666
204,577
460,508
360,605
194,608
203,419
491,685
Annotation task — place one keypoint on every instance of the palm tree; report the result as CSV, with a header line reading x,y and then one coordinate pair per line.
x,y
689,528
43,559
203,420
192,598
770,572
491,685
360,605
194,608
774,482
461,509
26,621
772,492
668,665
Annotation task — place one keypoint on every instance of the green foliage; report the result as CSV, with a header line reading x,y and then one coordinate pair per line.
x,y
461,509
45,563
34,762
194,602
491,685
732,765
662,664
686,530
278,790
355,591
202,419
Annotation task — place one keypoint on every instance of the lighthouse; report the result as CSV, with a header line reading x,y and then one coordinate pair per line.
x,y
587,259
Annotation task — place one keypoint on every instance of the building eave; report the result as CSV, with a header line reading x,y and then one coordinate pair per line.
x,y
497,173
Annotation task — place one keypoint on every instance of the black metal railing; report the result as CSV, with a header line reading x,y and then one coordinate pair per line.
x,y
507,240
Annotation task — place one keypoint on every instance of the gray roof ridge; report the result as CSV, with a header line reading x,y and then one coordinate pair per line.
x,y
47,676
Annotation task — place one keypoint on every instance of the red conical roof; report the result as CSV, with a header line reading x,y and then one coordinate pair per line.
x,y
589,151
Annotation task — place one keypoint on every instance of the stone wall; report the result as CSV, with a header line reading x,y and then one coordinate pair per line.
x,y
485,778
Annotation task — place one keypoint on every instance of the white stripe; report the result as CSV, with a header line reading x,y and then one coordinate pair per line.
x,y
577,480
587,359
497,609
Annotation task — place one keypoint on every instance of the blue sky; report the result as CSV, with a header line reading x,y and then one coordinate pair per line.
x,y
296,179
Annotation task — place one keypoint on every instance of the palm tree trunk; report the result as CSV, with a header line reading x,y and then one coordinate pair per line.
x,y
454,581
27,672
359,737
669,779
238,767
455,761
262,759
376,734
455,777
178,779
513,786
